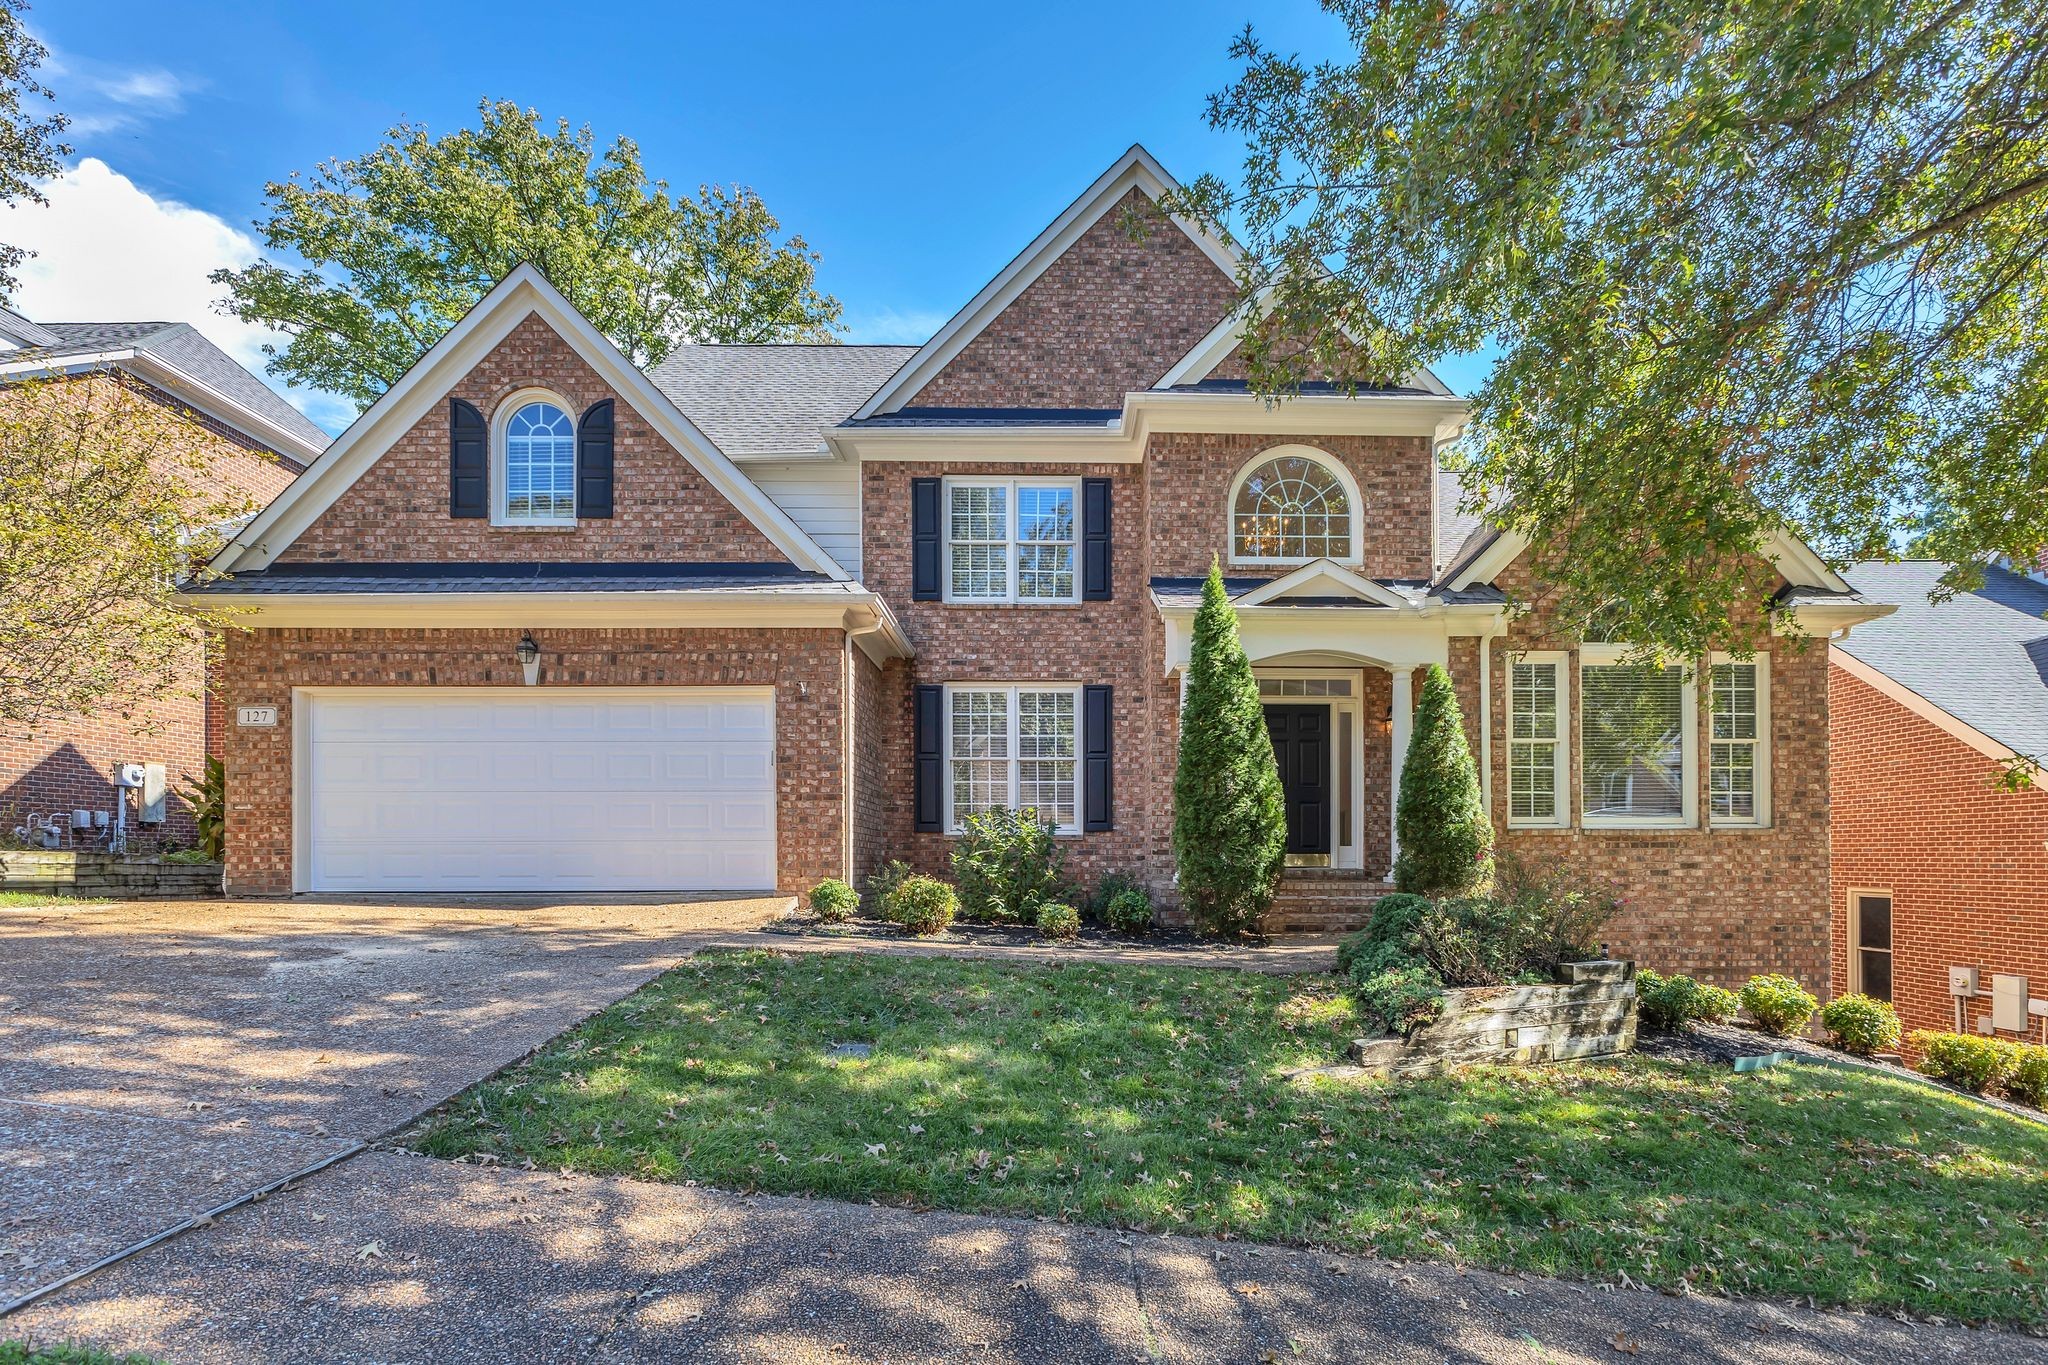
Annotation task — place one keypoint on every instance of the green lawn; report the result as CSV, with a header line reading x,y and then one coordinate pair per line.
x,y
36,900
1153,1098
63,1353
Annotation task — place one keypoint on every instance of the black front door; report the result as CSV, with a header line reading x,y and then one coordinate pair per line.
x,y
1301,745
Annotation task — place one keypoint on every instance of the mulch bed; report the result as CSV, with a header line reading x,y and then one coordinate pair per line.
x,y
964,934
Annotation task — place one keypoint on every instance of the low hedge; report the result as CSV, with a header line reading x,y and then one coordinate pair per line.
x,y
1779,1004
1860,1025
1963,1060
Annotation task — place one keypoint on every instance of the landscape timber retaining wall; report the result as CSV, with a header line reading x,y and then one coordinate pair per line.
x,y
1591,1013
60,873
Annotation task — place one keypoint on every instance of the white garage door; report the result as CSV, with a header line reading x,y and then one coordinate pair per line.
x,y
538,789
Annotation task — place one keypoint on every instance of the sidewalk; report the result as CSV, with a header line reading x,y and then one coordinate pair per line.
x,y
392,1257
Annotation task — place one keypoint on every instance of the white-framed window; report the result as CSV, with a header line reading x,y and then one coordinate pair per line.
x,y
1012,540
1539,740
534,461
1013,745
1293,504
1638,741
1739,740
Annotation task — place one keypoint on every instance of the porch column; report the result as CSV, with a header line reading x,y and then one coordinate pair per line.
x,y
1404,717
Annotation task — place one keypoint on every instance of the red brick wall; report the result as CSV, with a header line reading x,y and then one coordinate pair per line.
x,y
1107,318
1091,642
68,765
1188,478
881,770
665,509
1718,903
1916,814
806,668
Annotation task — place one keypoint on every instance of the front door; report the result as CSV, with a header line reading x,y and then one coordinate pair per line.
x,y
1301,745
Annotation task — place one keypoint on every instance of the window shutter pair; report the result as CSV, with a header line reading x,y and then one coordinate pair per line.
x,y
1098,715
469,461
926,519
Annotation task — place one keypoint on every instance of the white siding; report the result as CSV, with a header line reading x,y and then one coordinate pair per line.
x,y
822,496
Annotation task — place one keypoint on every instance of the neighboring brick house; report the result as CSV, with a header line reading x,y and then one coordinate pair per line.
x,y
1937,862
923,580
256,443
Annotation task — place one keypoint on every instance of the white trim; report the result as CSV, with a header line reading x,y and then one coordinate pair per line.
x,y
1352,704
1355,555
1606,655
1214,348
1562,748
1345,581
1764,746
521,294
1013,715
1135,169
1787,553
1934,715
500,453
1855,913
1011,541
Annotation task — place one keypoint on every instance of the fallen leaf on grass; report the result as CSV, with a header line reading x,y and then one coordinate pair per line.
x,y
369,1250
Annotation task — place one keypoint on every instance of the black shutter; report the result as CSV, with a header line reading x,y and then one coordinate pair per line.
x,y
469,461
594,462
1095,542
924,543
1098,713
928,786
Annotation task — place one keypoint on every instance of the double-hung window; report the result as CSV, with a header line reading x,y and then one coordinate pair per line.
x,y
1011,540
1539,783
1638,736
1738,740
1013,746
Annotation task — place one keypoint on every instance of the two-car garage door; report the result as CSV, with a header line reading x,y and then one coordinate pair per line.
x,y
533,789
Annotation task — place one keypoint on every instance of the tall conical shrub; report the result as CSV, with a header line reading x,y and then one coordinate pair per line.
x,y
1229,817
1446,839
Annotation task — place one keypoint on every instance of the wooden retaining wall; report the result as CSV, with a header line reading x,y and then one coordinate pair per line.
x,y
60,873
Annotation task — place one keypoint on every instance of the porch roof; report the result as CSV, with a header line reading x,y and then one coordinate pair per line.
x,y
1186,594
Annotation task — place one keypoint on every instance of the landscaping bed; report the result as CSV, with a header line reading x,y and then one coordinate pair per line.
x,y
966,932
1160,1098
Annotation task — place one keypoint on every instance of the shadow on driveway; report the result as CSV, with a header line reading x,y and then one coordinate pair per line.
x,y
161,1058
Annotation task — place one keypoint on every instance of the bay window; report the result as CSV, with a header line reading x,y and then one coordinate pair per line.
x,y
1538,780
1638,735
1738,741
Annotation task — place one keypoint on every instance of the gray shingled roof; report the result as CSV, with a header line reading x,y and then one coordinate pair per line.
x,y
180,345
755,399
1455,527
1980,656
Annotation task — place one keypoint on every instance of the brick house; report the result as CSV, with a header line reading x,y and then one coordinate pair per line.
x,y
256,443
1937,865
794,610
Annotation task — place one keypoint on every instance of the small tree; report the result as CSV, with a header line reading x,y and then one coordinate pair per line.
x,y
1229,817
1446,839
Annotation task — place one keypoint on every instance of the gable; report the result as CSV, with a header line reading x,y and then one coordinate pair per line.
x,y
664,509
381,490
1107,317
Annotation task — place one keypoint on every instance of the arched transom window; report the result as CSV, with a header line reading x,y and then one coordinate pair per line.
x,y
540,464
1294,506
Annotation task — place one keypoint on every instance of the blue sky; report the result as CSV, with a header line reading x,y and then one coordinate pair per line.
x,y
916,147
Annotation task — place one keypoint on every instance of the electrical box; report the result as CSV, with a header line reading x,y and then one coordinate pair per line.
x,y
128,774
2009,1003
1962,981
154,790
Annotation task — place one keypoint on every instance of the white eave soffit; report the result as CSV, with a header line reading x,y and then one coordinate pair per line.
x,y
523,293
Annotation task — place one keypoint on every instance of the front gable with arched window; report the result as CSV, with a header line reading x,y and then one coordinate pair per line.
x,y
1293,504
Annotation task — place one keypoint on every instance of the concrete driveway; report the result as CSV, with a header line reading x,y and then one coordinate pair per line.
x,y
158,1059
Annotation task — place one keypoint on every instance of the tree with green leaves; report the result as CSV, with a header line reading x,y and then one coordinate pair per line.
x,y
30,150
106,504
1748,265
399,243
1229,815
1446,839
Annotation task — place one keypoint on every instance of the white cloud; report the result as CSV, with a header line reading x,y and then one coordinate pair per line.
x,y
101,98
891,327
108,251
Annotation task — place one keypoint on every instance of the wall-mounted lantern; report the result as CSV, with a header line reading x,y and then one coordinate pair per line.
x,y
529,658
